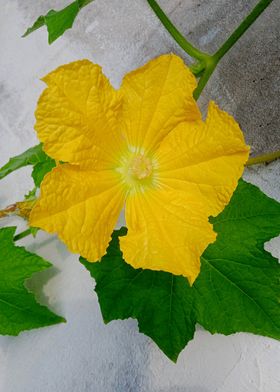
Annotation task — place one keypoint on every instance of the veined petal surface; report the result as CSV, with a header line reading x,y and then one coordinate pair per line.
x,y
77,116
145,145
82,207
167,230
157,97
205,159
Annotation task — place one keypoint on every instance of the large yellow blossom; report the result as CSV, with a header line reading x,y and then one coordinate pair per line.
x,y
144,147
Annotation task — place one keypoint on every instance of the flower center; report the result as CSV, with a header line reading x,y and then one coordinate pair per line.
x,y
141,167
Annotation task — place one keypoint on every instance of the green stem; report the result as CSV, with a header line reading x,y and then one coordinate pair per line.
x,y
175,33
244,25
22,235
207,63
212,61
266,158
209,69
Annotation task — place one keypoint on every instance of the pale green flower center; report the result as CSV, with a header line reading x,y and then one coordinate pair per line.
x,y
138,170
141,167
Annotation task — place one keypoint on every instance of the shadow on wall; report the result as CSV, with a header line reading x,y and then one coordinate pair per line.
x,y
185,389
132,374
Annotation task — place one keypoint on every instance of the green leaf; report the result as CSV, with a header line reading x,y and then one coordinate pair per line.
x,y
41,169
30,157
58,22
239,285
161,302
19,310
34,231
40,22
34,156
31,195
238,288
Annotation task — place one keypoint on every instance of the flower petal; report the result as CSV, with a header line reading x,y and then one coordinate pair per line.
x,y
77,116
206,159
82,207
157,97
167,230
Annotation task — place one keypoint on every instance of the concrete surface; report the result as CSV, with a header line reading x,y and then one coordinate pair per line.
x,y
85,355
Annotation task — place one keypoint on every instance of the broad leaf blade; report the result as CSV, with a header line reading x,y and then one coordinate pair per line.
x,y
237,290
19,310
58,22
239,285
30,157
161,302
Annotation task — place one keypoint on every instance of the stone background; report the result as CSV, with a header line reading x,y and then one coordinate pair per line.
x,y
85,355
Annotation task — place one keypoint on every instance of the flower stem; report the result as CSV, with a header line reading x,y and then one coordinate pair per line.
x,y
23,234
175,33
10,210
266,158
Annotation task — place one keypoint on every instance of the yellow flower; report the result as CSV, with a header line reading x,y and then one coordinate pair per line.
x,y
144,146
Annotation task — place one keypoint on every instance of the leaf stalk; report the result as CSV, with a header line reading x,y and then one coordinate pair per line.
x,y
23,234
175,33
206,63
266,158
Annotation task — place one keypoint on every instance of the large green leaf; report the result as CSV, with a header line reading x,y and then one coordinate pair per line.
x,y
237,290
58,22
161,302
19,310
239,285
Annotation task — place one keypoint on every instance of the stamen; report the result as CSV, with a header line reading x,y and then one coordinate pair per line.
x,y
141,167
